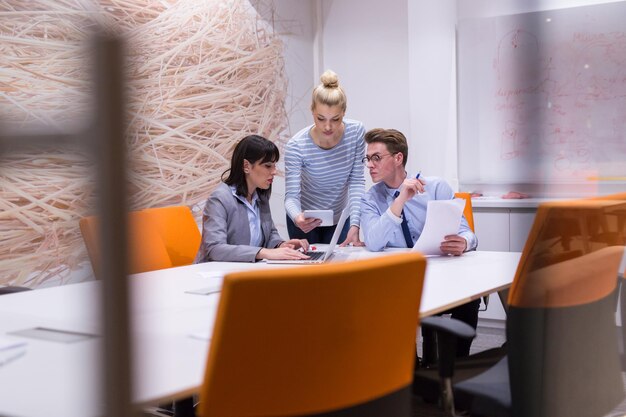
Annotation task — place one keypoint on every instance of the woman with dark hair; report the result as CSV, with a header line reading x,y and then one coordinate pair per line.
x,y
237,223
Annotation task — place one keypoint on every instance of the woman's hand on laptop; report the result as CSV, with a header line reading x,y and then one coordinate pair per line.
x,y
296,244
281,253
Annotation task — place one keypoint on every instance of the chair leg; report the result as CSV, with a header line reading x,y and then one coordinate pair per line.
x,y
447,398
429,348
504,296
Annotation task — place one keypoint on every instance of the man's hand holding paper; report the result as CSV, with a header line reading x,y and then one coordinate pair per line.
x,y
439,236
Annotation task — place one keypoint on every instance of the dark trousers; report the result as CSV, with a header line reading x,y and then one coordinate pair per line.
x,y
321,234
467,313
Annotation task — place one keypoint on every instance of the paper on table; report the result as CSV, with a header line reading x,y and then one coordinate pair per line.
x,y
214,286
9,350
201,334
443,218
212,274
53,335
10,343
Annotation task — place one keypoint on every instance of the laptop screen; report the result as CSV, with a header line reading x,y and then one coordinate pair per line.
x,y
338,229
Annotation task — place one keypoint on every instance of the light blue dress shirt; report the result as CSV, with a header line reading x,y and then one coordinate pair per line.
x,y
254,217
381,228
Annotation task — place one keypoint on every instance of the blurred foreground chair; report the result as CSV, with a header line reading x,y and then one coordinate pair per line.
x,y
617,218
330,340
562,347
158,238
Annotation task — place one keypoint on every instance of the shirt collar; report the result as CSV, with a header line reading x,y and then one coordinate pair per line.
x,y
255,196
391,191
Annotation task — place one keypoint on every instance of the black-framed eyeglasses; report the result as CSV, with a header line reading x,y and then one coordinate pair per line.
x,y
376,158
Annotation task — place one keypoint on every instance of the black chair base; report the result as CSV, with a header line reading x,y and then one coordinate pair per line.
x,y
427,383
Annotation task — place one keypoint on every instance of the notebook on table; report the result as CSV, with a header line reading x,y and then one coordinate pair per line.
x,y
318,257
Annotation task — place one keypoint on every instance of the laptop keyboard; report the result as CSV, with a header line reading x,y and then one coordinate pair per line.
x,y
315,255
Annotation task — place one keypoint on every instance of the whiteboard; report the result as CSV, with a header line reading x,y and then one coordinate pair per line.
x,y
542,96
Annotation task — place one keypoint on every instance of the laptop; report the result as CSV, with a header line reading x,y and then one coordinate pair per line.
x,y
318,257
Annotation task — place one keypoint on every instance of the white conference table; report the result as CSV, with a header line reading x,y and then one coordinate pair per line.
x,y
171,330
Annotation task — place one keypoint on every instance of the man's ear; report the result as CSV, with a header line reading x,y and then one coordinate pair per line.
x,y
399,157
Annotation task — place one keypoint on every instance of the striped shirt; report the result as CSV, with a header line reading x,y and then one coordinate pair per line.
x,y
325,179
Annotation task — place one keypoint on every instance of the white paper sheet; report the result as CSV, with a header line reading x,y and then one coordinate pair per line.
x,y
201,334
7,343
443,218
215,286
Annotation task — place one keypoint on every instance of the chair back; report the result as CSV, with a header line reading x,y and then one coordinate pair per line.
x,y
312,340
563,354
146,250
468,211
178,230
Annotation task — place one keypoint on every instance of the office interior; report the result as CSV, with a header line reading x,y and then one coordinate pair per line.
x,y
398,65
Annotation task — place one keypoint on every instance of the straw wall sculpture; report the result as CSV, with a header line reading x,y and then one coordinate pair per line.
x,y
202,74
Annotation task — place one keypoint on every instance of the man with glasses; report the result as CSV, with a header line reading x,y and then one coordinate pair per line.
x,y
393,211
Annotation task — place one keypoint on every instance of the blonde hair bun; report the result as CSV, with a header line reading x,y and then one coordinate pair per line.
x,y
328,92
329,79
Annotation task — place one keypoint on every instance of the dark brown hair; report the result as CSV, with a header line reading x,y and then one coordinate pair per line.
x,y
392,138
253,148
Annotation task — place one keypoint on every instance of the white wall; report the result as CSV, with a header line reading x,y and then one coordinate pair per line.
x,y
432,87
397,65
366,45
295,21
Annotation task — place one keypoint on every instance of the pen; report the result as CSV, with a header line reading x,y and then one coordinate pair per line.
x,y
417,177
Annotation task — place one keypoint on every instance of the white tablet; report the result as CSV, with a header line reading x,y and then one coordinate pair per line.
x,y
326,216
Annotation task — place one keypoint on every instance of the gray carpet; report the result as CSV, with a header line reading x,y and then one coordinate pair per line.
x,y
489,337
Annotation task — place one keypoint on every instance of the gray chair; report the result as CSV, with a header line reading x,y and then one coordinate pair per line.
x,y
562,351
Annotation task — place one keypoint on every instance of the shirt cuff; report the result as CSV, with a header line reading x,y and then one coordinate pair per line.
x,y
467,244
396,219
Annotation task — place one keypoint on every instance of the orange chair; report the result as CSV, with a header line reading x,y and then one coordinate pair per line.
x,y
561,309
467,211
334,340
147,251
178,230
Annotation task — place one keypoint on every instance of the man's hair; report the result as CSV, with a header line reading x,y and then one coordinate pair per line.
x,y
392,138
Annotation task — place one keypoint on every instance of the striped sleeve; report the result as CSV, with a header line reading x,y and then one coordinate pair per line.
x,y
293,167
357,178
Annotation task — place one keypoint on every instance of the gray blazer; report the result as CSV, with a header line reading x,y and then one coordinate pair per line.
x,y
226,229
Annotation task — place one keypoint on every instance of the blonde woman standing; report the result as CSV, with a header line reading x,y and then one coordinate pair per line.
x,y
323,168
